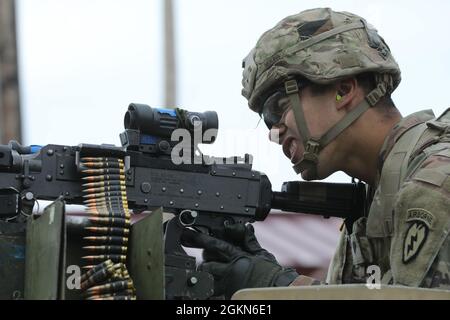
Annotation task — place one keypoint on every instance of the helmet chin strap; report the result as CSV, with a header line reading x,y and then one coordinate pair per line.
x,y
313,146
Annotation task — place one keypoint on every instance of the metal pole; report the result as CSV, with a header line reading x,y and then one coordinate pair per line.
x,y
170,91
10,124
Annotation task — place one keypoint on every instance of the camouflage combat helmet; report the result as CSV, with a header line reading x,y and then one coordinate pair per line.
x,y
322,46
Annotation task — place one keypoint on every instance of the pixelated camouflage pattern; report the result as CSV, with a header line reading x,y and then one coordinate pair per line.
x,y
427,189
439,274
275,57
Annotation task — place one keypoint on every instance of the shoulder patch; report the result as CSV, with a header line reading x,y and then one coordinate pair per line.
x,y
419,214
414,239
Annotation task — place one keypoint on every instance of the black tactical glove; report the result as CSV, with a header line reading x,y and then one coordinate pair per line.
x,y
238,262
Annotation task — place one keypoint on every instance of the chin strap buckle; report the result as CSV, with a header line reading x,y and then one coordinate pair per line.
x,y
376,94
312,149
310,157
291,87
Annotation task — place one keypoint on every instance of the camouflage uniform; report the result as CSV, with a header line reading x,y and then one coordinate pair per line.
x,y
410,242
406,231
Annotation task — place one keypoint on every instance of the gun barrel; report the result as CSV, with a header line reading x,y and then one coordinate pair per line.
x,y
343,200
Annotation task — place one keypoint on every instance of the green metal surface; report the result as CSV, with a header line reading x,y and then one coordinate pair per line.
x,y
75,225
12,260
146,257
45,251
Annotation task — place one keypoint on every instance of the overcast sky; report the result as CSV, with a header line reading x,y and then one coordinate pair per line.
x,y
83,61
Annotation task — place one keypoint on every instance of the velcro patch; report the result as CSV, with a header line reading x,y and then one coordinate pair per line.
x,y
432,176
308,29
348,61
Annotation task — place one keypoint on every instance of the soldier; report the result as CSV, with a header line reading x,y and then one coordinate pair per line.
x,y
322,80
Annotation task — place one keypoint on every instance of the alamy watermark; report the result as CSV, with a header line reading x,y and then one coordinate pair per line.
x,y
373,280
74,277
233,143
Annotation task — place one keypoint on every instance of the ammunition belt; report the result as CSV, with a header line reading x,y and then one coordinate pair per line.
x,y
106,276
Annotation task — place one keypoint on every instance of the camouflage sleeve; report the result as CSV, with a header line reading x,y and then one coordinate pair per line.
x,y
439,274
420,247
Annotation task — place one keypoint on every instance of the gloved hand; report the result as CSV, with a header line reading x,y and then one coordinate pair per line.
x,y
238,261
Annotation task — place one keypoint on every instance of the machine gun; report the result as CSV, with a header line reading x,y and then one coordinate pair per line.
x,y
203,192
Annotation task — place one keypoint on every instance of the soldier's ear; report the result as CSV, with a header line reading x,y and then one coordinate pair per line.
x,y
345,92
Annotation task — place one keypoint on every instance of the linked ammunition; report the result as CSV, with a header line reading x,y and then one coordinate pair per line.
x,y
108,213
105,188
109,164
106,194
104,171
103,184
109,206
112,257
115,202
118,274
100,159
111,202
98,267
111,287
108,160
97,277
104,177
128,292
109,249
88,267
106,206
125,274
109,230
114,240
116,222
116,298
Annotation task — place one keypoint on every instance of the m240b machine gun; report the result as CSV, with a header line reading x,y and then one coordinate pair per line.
x,y
163,167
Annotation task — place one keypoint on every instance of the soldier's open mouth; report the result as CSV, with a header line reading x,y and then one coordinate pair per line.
x,y
290,147
293,151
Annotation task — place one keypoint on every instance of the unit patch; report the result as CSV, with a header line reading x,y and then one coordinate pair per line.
x,y
414,239
419,214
